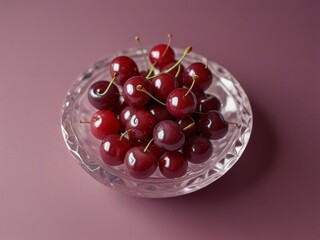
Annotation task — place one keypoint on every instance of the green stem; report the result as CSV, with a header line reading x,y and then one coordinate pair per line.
x,y
115,75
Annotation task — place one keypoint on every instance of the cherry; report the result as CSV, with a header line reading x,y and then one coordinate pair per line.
x,y
168,135
173,164
163,85
162,54
181,103
132,95
174,71
212,125
126,68
141,124
125,114
207,102
103,123
197,149
188,125
103,95
140,163
159,112
113,149
200,70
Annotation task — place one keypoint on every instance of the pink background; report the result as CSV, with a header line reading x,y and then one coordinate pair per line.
x,y
272,47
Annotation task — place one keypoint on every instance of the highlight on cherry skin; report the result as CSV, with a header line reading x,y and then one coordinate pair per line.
x,y
161,120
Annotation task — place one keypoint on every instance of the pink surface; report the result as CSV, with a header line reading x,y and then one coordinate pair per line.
x,y
272,48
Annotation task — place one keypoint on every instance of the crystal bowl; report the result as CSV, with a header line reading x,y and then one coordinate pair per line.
x,y
85,148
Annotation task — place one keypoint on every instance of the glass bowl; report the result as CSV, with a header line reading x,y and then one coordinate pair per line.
x,y
84,147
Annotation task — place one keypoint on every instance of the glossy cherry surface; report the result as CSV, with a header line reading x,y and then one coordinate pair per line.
x,y
197,149
134,97
181,103
173,164
105,101
174,71
162,54
204,74
140,164
168,135
113,149
159,112
141,124
103,123
126,68
212,125
186,123
125,114
163,85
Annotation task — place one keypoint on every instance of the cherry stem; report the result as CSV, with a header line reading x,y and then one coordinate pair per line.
x,y
142,89
151,69
81,121
207,63
189,126
123,134
194,78
168,45
179,68
148,145
137,38
115,75
186,52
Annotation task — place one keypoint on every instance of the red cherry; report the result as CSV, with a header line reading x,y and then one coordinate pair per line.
x,y
181,103
141,125
168,135
173,164
140,164
113,149
125,114
103,123
204,74
174,72
126,68
159,112
162,54
197,149
163,85
106,100
134,97
212,125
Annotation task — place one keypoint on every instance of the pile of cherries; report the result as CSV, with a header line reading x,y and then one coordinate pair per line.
x,y
147,120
